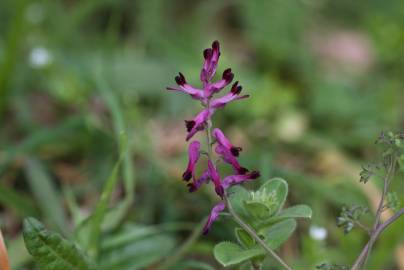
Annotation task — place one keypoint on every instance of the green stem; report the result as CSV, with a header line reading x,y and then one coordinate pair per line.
x,y
235,216
253,234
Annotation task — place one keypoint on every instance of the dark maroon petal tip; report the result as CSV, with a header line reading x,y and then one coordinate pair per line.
x,y
189,124
191,187
236,89
180,79
207,53
228,75
255,174
242,170
219,191
235,151
215,45
187,175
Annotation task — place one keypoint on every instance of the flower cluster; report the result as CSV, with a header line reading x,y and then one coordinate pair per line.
x,y
224,148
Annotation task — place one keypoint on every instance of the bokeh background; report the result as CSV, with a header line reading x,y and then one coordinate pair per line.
x,y
325,78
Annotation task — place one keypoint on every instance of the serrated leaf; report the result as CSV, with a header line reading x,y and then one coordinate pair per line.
x,y
244,238
228,253
50,250
257,209
276,190
275,235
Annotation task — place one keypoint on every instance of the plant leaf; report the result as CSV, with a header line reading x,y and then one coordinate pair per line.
x,y
50,250
237,196
45,193
297,211
228,253
257,210
244,238
278,233
276,190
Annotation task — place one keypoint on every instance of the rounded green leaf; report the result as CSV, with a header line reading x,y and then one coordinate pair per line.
x,y
257,210
228,253
297,211
274,193
275,235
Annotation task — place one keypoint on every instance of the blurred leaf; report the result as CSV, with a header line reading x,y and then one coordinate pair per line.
x,y
278,233
137,252
21,203
228,253
45,193
244,238
191,264
18,254
97,217
50,250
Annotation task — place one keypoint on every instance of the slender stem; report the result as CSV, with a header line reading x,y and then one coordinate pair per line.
x,y
380,229
362,258
253,234
235,216
184,247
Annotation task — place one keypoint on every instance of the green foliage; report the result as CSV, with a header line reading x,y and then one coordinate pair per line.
x,y
228,253
51,251
350,216
262,210
278,233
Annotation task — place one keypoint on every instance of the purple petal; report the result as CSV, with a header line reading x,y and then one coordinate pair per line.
x,y
211,57
195,185
198,123
233,95
229,158
214,175
238,179
215,87
193,157
214,214
222,140
195,93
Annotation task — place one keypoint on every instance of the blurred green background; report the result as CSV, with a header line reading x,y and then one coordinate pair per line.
x,y
325,78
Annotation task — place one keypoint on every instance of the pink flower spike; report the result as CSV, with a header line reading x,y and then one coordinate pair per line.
x,y
196,183
214,175
211,56
233,95
195,93
214,214
228,157
238,179
222,140
198,123
193,157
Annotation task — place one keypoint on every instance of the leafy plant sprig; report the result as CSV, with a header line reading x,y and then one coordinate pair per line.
x,y
263,225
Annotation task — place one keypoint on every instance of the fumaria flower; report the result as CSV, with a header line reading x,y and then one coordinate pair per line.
x,y
224,148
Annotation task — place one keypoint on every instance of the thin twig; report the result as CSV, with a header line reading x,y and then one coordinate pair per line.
x,y
362,258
